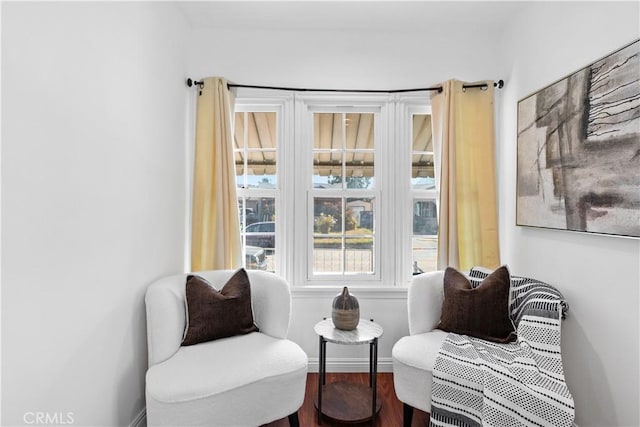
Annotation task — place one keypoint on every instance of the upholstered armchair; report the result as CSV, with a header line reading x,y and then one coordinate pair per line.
x,y
243,380
414,355
503,364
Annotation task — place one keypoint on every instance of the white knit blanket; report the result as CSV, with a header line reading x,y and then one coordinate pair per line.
x,y
480,383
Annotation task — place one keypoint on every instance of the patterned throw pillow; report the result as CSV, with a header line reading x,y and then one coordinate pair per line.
x,y
481,312
213,314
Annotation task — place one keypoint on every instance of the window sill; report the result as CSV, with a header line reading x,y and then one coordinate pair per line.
x,y
361,292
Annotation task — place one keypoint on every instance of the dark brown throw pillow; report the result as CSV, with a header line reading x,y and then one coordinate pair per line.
x,y
481,312
214,314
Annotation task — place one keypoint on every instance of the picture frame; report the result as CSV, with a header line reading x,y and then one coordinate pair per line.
x,y
578,149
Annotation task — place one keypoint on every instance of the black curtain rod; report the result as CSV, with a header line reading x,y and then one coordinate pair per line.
x,y
499,84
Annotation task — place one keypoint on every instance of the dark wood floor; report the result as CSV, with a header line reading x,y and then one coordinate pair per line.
x,y
390,415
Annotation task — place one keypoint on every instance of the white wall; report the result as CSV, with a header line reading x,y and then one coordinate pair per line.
x,y
344,59
93,176
599,275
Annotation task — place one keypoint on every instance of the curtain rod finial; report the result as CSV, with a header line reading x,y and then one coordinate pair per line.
x,y
194,82
500,84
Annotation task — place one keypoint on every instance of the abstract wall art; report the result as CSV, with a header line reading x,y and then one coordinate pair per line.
x,y
579,150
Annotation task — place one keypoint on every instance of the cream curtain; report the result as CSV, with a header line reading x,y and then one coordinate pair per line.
x,y
215,230
463,132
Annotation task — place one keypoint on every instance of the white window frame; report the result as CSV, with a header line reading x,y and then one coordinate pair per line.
x,y
393,193
382,108
280,103
406,106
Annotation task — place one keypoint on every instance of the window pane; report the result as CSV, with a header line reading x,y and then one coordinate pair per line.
x,y
327,131
424,253
358,257
327,215
422,160
255,142
422,172
261,130
343,247
238,131
327,169
327,255
260,209
343,155
359,131
359,235
359,169
261,169
359,216
425,239
256,258
425,217
422,134
257,235
258,232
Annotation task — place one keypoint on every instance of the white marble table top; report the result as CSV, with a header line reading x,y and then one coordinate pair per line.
x,y
366,332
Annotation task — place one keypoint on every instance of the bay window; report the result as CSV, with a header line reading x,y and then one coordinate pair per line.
x,y
337,189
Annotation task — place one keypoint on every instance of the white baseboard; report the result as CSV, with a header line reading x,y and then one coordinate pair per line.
x,y
140,420
350,364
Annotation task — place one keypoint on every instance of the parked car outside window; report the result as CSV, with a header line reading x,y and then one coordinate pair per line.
x,y
261,234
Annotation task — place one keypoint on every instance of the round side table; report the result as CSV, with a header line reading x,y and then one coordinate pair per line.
x,y
344,401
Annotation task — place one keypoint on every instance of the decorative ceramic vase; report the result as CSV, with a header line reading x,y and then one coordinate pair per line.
x,y
346,311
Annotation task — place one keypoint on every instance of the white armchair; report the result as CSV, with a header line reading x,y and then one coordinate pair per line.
x,y
246,380
415,355
536,309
